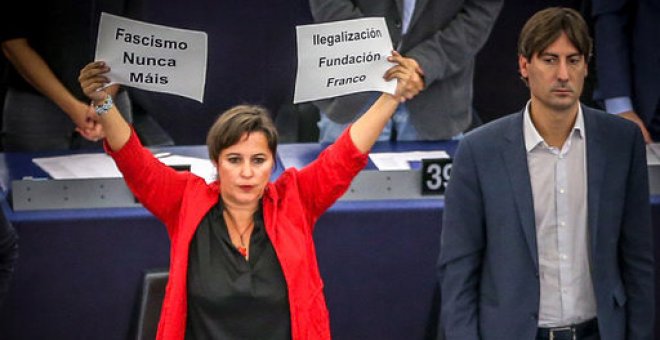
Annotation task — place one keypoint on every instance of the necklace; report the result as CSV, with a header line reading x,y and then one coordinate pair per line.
x,y
242,248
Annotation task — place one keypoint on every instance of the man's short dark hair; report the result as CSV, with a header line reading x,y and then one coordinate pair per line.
x,y
544,27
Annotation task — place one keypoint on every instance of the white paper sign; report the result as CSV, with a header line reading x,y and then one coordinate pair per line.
x,y
342,57
153,57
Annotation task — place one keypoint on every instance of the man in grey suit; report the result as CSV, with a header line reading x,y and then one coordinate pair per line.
x,y
440,38
546,229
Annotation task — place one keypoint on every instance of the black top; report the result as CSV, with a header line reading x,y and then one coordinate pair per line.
x,y
229,297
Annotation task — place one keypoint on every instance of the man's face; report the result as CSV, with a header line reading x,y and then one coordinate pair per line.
x,y
555,76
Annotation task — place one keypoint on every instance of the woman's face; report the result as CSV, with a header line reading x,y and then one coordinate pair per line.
x,y
244,170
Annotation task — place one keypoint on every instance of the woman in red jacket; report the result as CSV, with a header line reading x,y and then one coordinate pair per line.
x,y
242,260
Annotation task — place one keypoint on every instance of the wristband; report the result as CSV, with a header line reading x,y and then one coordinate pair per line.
x,y
105,107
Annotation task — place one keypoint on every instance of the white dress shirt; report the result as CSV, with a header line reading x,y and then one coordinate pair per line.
x,y
559,189
408,10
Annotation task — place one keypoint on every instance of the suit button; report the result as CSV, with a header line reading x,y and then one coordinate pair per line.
x,y
397,24
534,316
536,274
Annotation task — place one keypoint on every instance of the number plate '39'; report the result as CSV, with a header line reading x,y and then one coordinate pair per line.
x,y
435,175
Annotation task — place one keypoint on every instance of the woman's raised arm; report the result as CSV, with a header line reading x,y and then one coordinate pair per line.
x,y
92,79
365,131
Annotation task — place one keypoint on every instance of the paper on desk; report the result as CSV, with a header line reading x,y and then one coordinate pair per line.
x,y
96,165
401,160
201,167
99,165
654,148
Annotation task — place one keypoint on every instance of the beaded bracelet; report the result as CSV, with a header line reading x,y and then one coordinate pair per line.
x,y
105,107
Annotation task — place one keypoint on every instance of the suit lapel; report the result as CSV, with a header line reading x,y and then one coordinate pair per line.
x,y
399,8
419,8
596,157
515,160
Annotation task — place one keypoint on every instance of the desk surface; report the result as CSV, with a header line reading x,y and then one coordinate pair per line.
x,y
298,155
18,165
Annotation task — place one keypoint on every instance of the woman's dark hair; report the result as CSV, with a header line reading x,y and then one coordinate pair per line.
x,y
232,124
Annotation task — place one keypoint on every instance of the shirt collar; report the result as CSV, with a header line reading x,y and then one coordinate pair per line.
x,y
532,136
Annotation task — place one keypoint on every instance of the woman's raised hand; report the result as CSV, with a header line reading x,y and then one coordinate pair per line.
x,y
110,124
92,80
409,75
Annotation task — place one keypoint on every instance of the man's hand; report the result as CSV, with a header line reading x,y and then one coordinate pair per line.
x,y
407,72
93,130
633,117
414,65
84,116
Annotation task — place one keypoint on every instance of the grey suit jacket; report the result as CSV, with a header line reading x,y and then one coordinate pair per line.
x,y
443,37
488,266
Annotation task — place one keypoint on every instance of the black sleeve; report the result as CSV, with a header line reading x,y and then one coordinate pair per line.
x,y
15,20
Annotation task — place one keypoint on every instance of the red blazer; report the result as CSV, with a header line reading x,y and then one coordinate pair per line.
x,y
291,206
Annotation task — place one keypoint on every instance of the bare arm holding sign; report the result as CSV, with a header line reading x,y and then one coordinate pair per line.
x,y
35,70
